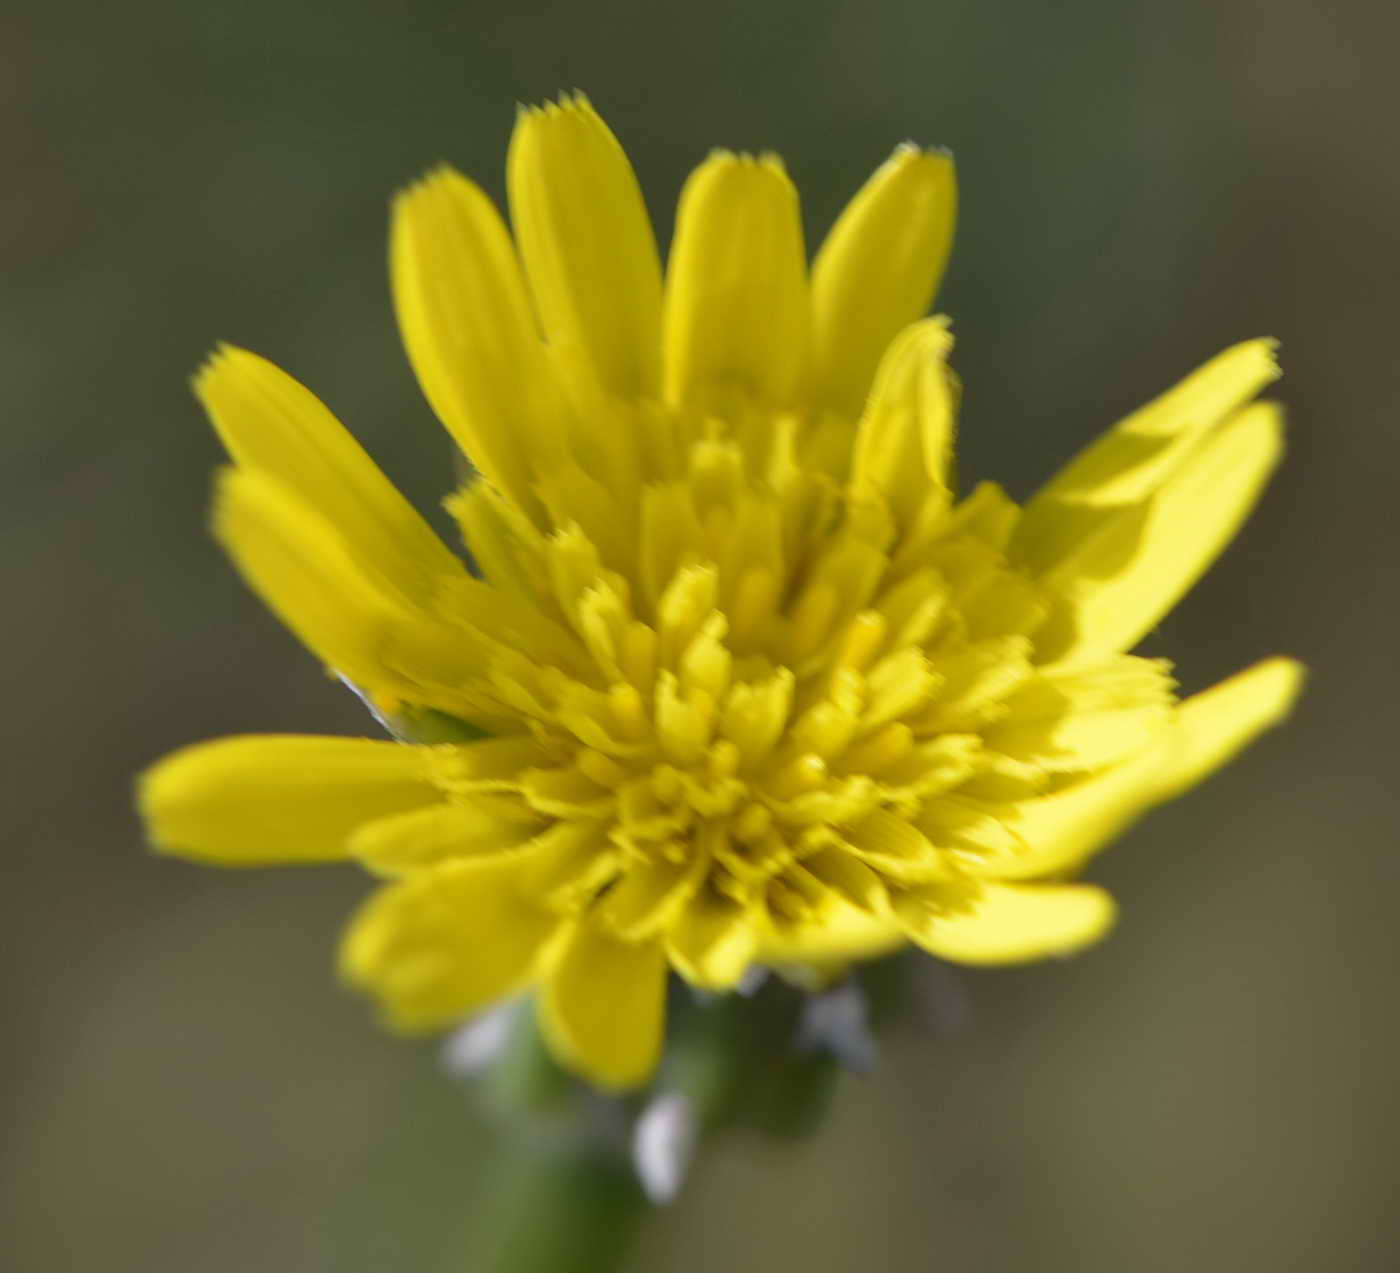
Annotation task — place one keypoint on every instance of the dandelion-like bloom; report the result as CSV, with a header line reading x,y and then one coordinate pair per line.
x,y
741,678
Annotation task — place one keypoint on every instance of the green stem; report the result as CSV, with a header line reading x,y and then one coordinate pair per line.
x,y
571,1202
573,1206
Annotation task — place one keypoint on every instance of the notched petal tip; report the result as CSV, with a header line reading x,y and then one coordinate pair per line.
x,y
568,101
910,155
587,247
1141,452
469,329
904,438
930,338
721,161
879,268
221,357
435,177
1263,349
736,317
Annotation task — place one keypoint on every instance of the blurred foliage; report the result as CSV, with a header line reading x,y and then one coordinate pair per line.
x,y
185,1088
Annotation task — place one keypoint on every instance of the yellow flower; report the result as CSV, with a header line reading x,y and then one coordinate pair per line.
x,y
742,679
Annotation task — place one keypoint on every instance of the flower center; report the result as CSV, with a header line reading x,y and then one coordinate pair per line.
x,y
772,691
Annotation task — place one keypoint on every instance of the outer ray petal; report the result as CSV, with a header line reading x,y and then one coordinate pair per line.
x,y
445,942
1133,459
879,269
267,799
1137,563
844,934
603,1006
1059,833
587,244
650,895
736,287
306,574
905,437
422,837
1217,724
469,332
273,425
1015,923
712,943
1087,718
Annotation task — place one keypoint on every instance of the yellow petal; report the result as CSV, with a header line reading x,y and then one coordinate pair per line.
x,y
879,269
1087,718
1132,460
905,436
260,800
1060,832
736,287
443,943
1218,723
274,425
469,332
848,879
843,933
508,550
587,244
567,865
894,847
444,831
1053,834
1014,923
650,894
603,1007
712,942
299,565
1133,567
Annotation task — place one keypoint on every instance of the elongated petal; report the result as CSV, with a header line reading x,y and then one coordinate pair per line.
x,y
469,332
1218,723
1053,834
261,800
1126,465
1087,718
603,1006
1123,577
1016,923
650,895
736,286
587,244
444,831
843,934
443,943
1059,833
305,573
905,436
712,943
275,426
879,269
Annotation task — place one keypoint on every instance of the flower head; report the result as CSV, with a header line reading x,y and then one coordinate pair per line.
x,y
740,677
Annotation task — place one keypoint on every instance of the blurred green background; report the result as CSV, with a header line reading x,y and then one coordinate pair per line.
x,y
185,1086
